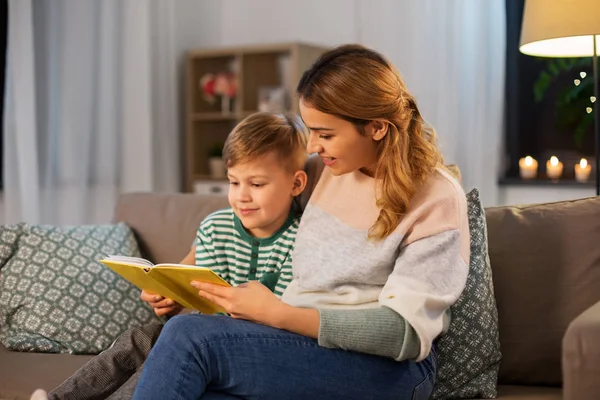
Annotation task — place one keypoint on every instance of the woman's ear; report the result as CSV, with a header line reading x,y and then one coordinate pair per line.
x,y
379,128
300,180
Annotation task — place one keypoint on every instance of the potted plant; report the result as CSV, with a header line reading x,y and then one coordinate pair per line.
x,y
216,164
574,102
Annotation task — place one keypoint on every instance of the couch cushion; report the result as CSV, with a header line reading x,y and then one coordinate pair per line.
x,y
529,393
165,224
22,373
546,265
469,354
56,298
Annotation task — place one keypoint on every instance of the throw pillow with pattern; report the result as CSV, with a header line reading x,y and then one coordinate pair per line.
x,y
9,236
469,353
55,297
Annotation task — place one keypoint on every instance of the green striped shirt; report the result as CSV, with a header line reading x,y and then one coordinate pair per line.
x,y
223,245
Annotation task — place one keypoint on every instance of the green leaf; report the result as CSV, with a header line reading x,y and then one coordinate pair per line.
x,y
581,129
541,85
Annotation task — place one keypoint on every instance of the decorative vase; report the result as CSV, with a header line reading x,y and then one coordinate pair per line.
x,y
217,169
225,104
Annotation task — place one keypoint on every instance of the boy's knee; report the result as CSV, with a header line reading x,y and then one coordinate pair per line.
x,y
137,337
194,325
179,324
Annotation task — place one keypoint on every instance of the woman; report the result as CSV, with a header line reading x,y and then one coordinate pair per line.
x,y
381,254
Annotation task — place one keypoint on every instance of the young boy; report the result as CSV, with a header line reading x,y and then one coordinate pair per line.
x,y
252,240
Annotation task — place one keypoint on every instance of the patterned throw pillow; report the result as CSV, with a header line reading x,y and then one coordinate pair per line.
x,y
55,297
469,354
9,236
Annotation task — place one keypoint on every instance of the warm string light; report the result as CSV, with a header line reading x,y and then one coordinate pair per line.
x,y
577,82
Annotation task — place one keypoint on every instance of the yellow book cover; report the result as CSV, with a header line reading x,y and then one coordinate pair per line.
x,y
168,280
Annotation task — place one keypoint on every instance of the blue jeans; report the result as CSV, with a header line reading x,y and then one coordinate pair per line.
x,y
218,357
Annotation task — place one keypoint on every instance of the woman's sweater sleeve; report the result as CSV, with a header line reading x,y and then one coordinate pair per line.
x,y
429,275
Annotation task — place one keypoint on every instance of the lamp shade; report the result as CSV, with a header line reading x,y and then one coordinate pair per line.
x,y
560,28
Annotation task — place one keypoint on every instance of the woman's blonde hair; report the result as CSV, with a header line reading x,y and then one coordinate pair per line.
x,y
264,133
359,85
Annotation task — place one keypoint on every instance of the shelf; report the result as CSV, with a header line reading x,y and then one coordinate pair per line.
x,y
255,67
204,177
540,182
215,116
218,116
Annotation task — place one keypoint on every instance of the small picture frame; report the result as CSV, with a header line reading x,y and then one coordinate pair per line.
x,y
272,99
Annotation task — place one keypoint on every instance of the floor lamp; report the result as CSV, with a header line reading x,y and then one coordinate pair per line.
x,y
566,28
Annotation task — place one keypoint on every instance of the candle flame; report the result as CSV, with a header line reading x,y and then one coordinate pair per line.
x,y
554,161
529,161
583,163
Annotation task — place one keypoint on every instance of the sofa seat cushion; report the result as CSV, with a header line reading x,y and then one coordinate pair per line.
x,y
507,392
22,373
546,265
469,353
55,296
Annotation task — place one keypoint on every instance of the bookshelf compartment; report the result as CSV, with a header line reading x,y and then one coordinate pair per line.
x,y
264,70
206,134
256,67
198,67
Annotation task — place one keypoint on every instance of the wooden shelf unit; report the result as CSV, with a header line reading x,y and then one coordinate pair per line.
x,y
271,65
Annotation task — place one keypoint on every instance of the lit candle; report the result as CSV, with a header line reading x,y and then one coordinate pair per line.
x,y
528,167
582,170
554,168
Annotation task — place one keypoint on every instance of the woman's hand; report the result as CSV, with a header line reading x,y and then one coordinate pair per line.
x,y
251,301
161,305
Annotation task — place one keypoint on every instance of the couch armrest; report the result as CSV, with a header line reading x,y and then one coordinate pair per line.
x,y
581,356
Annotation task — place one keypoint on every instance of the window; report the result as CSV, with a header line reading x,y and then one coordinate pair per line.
x,y
548,105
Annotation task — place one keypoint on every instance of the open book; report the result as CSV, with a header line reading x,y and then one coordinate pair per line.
x,y
168,280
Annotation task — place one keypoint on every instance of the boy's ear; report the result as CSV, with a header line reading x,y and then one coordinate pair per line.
x,y
300,180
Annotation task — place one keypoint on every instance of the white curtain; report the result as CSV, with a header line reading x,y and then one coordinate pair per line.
x,y
452,56
464,54
80,123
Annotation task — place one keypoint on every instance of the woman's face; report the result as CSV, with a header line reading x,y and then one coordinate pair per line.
x,y
342,148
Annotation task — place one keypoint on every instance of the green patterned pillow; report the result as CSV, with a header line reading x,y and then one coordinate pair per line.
x,y
55,297
9,236
469,353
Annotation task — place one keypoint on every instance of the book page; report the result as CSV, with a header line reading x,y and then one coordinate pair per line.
x,y
164,265
131,260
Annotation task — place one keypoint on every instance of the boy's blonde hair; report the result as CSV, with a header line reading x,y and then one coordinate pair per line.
x,y
265,133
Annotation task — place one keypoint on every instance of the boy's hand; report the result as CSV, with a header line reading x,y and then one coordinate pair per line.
x,y
161,305
251,301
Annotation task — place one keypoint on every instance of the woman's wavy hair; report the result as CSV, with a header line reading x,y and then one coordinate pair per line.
x,y
359,85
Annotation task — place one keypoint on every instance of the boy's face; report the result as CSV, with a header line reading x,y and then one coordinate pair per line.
x,y
261,193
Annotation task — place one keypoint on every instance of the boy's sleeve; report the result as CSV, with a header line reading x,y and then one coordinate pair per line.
x,y
285,276
206,253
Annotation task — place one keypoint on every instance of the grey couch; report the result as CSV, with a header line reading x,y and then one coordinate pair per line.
x,y
546,267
